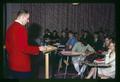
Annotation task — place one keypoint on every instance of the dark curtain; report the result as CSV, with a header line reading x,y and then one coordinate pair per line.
x,y
57,16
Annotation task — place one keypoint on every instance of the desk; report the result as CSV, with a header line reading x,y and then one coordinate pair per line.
x,y
68,54
97,65
51,48
59,46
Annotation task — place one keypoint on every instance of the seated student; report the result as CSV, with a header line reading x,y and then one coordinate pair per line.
x,y
69,45
97,44
105,73
106,43
71,41
55,37
86,35
84,49
47,36
63,38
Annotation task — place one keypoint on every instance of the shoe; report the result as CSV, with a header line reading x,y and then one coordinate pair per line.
x,y
87,78
66,62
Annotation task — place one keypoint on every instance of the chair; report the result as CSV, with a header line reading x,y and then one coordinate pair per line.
x,y
66,65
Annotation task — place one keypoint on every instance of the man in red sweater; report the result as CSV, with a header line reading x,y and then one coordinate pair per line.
x,y
17,47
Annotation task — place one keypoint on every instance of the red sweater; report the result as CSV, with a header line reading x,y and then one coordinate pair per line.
x,y
18,49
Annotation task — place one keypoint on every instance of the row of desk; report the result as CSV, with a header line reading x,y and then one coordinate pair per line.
x,y
58,47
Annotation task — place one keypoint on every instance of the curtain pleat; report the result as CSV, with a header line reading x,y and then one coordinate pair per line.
x,y
58,16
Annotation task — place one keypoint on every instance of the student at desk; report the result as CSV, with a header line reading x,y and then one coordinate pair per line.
x,y
84,49
70,43
105,73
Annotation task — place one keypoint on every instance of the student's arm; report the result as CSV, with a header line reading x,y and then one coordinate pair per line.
x,y
109,59
90,50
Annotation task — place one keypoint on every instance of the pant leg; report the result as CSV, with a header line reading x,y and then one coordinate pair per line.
x,y
76,62
20,75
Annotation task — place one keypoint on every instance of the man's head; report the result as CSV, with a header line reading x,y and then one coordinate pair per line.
x,y
23,16
70,34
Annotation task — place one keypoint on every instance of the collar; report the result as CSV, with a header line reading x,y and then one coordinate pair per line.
x,y
18,21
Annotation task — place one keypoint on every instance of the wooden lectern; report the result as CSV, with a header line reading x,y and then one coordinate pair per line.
x,y
46,52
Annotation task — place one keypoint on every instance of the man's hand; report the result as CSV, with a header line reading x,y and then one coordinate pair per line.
x,y
42,48
47,48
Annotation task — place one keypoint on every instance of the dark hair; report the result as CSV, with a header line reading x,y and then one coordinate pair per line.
x,y
113,39
70,32
84,41
110,37
22,11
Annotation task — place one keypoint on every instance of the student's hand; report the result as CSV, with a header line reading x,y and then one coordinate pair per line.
x,y
83,53
109,51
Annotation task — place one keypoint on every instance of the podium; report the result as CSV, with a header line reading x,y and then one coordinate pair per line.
x,y
50,48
